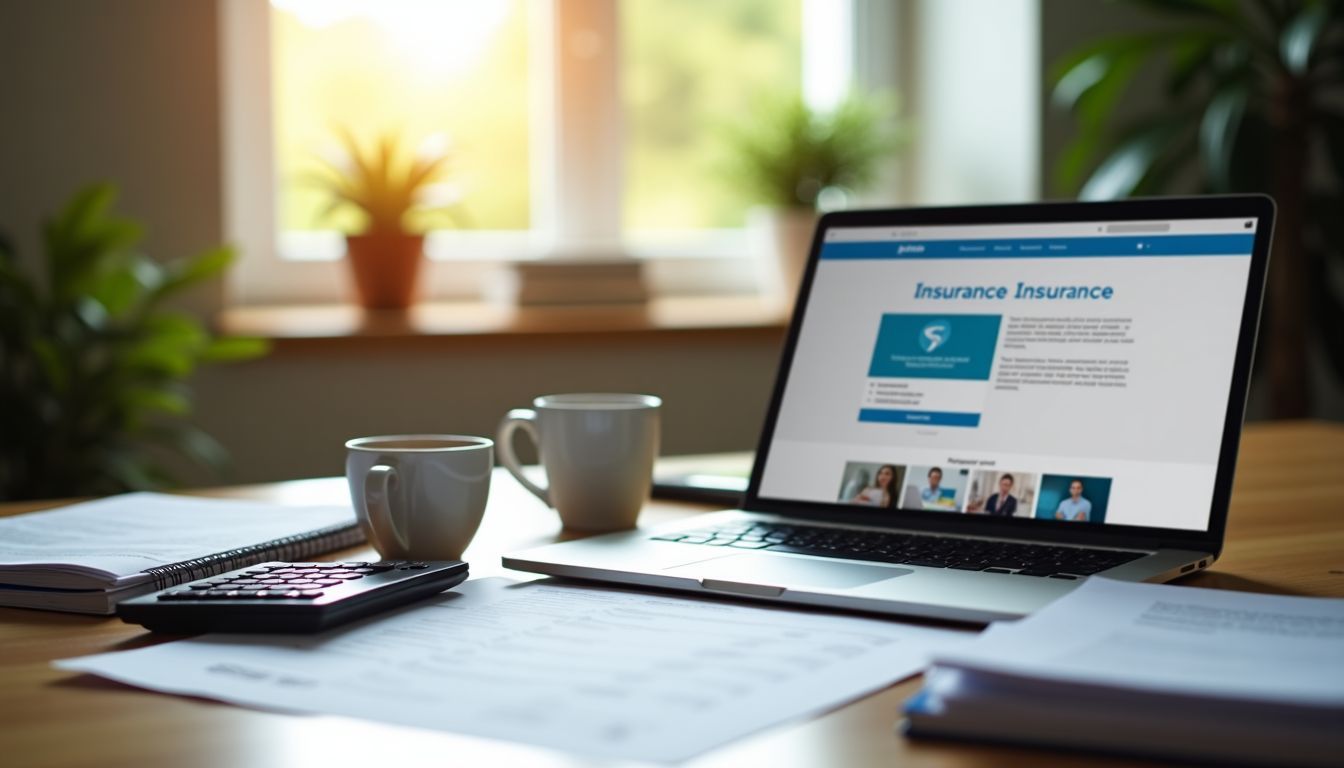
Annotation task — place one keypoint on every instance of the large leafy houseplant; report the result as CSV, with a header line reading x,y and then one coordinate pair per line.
x,y
385,253
94,365
1253,102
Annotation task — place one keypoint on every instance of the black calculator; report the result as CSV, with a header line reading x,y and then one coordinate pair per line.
x,y
290,597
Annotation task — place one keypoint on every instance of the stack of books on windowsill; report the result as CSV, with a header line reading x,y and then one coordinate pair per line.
x,y
557,281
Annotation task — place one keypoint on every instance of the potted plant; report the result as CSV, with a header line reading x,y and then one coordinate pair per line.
x,y
1252,103
789,157
384,254
94,365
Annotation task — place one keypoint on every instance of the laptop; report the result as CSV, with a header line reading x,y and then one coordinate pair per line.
x,y
977,408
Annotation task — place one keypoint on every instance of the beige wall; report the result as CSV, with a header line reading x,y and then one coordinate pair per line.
x,y
120,91
288,416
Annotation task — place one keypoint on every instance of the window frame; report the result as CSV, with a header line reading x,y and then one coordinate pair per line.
x,y
576,213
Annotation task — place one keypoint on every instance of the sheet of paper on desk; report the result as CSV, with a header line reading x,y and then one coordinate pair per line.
x,y
602,672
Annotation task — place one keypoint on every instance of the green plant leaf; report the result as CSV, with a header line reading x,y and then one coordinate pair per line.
x,y
234,348
1122,172
1100,71
53,367
168,398
84,240
168,344
91,313
180,275
118,290
193,442
1190,59
1300,35
1218,135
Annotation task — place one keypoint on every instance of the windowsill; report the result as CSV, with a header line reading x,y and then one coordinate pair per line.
x,y
326,322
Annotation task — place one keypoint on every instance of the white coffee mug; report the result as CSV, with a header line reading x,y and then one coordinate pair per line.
x,y
597,451
419,497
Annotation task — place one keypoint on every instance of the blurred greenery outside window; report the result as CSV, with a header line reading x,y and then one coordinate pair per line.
x,y
464,72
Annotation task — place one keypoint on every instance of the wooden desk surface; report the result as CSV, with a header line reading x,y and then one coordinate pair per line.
x,y
1285,535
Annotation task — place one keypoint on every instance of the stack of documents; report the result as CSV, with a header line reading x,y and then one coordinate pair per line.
x,y
1152,670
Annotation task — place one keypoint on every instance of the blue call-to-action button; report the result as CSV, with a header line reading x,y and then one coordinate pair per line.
x,y
931,418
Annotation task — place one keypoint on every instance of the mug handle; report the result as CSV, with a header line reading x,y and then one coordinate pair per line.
x,y
378,501
526,420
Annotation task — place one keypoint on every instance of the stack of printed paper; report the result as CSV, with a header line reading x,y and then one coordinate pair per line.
x,y
1154,670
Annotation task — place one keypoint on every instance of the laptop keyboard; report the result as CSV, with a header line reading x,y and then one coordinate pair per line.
x,y
910,549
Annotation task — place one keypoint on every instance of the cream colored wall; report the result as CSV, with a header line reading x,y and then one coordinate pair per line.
x,y
289,415
128,92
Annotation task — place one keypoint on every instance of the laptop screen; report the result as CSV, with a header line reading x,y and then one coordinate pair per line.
x,y
1074,371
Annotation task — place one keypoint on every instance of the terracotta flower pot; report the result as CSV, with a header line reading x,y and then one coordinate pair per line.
x,y
385,268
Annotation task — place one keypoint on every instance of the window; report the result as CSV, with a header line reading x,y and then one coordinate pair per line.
x,y
441,72
677,95
579,127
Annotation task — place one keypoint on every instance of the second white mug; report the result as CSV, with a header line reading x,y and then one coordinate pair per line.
x,y
598,452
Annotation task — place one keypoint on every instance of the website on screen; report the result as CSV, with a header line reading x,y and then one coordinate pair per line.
x,y
1076,372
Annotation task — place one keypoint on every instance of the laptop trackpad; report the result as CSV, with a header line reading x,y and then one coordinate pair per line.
x,y
787,572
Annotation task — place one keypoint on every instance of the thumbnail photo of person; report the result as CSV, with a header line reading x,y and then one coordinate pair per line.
x,y
1001,494
935,488
1074,498
872,485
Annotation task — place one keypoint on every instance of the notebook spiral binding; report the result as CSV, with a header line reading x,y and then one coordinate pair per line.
x,y
290,548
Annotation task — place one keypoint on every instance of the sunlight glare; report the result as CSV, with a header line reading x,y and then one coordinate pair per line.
x,y
442,35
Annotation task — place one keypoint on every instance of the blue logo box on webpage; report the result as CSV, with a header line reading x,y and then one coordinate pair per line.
x,y
945,346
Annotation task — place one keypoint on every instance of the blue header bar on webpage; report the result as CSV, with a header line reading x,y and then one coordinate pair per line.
x,y
1042,248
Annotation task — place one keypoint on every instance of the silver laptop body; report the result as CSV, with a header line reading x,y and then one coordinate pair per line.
x,y
960,383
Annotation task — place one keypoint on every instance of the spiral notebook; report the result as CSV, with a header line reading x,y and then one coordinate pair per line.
x,y
86,557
